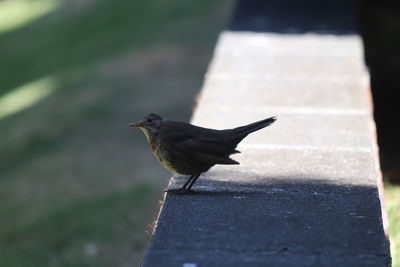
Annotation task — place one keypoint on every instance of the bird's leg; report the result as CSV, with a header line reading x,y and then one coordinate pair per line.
x,y
183,188
193,180
187,182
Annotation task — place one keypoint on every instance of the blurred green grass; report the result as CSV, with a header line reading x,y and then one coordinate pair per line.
x,y
77,186
392,202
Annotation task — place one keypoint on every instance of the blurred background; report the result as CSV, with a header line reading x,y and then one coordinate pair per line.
x,y
78,187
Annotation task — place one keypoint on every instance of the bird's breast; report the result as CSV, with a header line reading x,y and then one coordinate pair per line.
x,y
163,156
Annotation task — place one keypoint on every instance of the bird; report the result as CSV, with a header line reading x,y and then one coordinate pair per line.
x,y
191,150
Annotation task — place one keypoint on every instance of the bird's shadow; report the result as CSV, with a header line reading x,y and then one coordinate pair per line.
x,y
201,192
234,183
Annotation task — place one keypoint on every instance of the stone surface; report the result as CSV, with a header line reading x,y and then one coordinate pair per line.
x,y
323,130
305,192
259,168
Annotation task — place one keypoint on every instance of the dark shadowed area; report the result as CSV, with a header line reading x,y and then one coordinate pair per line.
x,y
379,23
288,16
380,29
291,214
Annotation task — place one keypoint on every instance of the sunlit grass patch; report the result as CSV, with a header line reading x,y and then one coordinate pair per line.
x,y
26,96
392,200
15,13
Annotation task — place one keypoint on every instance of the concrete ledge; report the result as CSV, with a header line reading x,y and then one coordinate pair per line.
x,y
306,191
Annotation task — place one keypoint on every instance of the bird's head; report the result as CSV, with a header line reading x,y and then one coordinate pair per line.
x,y
149,123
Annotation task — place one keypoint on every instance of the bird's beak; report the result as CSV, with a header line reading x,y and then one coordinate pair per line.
x,y
137,124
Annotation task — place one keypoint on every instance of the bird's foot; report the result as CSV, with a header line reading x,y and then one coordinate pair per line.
x,y
180,191
174,191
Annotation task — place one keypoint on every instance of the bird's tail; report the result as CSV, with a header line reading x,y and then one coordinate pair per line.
x,y
243,131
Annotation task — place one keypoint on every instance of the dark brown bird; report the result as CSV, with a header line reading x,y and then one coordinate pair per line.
x,y
191,150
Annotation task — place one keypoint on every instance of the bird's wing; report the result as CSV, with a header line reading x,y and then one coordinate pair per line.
x,y
214,158
200,148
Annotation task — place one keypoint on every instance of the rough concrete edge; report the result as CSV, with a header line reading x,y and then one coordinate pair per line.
x,y
155,223
375,151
